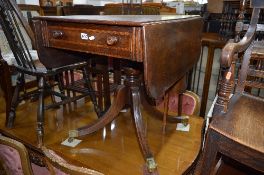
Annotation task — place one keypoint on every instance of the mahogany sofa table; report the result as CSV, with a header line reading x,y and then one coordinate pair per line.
x,y
164,48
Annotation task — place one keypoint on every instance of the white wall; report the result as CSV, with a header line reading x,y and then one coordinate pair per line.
x,y
33,2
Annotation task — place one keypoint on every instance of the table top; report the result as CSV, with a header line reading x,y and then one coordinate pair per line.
x,y
168,46
113,150
128,20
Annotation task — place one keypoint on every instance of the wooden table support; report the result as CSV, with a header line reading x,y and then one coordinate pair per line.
x,y
131,89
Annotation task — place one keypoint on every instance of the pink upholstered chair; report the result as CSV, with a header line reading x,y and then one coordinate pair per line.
x,y
11,154
190,104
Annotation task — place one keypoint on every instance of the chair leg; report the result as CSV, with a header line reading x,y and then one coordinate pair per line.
x,y
40,116
59,78
6,85
60,83
99,89
88,84
15,101
72,82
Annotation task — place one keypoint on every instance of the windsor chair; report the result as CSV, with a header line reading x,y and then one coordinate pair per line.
x,y
11,21
7,58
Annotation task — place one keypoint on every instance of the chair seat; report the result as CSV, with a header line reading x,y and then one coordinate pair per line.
x,y
10,58
43,71
244,121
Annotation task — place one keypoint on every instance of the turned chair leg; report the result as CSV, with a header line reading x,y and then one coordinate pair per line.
x,y
40,115
15,101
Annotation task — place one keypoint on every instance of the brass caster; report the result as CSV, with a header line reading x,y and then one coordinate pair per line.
x,y
72,135
151,164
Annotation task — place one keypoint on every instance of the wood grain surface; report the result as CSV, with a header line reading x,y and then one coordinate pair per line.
x,y
113,150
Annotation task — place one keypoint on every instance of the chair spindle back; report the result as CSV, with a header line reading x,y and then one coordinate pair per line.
x,y
252,70
11,21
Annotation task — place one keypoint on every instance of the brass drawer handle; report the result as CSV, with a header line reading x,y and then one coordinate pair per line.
x,y
111,40
57,34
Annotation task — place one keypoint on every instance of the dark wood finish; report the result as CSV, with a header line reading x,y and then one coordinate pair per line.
x,y
100,62
29,8
51,11
228,56
130,38
231,18
69,10
103,72
228,20
9,17
232,26
82,10
240,21
252,72
237,127
118,42
137,47
238,135
6,83
131,9
6,70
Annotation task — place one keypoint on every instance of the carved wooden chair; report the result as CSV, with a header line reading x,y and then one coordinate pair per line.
x,y
15,159
236,130
11,20
57,165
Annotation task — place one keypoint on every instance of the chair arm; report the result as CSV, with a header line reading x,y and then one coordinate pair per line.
x,y
227,62
54,160
231,49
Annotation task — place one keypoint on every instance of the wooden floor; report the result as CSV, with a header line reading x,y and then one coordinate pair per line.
x,y
113,150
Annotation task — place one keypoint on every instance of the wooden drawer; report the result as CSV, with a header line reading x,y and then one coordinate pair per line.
x,y
113,41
